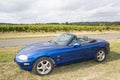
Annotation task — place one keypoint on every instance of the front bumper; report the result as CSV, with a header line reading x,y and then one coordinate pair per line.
x,y
26,65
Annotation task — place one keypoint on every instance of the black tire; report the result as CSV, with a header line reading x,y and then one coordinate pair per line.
x,y
103,55
38,62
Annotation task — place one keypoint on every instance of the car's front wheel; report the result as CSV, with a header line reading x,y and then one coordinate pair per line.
x,y
100,56
43,66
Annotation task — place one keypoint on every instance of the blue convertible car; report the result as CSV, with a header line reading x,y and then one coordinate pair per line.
x,y
64,49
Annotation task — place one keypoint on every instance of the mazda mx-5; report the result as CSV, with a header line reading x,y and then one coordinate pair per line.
x,y
66,48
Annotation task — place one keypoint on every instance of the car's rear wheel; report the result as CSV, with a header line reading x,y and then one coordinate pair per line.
x,y
43,66
100,56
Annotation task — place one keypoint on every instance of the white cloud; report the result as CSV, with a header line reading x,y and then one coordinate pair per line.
x,y
42,11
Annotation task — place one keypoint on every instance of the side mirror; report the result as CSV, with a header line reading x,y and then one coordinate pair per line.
x,y
76,45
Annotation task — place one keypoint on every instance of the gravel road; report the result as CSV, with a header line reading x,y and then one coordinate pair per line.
x,y
22,42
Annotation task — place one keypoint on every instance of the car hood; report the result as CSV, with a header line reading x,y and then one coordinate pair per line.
x,y
38,47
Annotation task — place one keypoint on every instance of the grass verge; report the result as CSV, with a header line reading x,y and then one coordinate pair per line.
x,y
88,70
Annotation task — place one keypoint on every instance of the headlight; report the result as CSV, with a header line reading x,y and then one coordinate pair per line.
x,y
23,57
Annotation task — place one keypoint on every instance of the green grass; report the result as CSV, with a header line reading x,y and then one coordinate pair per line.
x,y
53,28
87,70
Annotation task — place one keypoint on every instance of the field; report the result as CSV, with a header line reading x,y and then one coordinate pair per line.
x,y
88,70
52,28
15,31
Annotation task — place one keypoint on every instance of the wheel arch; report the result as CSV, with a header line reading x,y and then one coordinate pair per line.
x,y
106,51
46,57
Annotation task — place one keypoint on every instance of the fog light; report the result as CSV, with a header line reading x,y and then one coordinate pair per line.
x,y
26,64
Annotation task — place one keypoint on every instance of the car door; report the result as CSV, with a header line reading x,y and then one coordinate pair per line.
x,y
91,50
79,53
72,54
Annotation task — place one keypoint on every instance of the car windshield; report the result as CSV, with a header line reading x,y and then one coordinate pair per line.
x,y
62,39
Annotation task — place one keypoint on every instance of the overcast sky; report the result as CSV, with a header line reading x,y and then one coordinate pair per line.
x,y
45,11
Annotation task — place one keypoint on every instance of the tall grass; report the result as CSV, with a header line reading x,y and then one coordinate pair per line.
x,y
53,28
